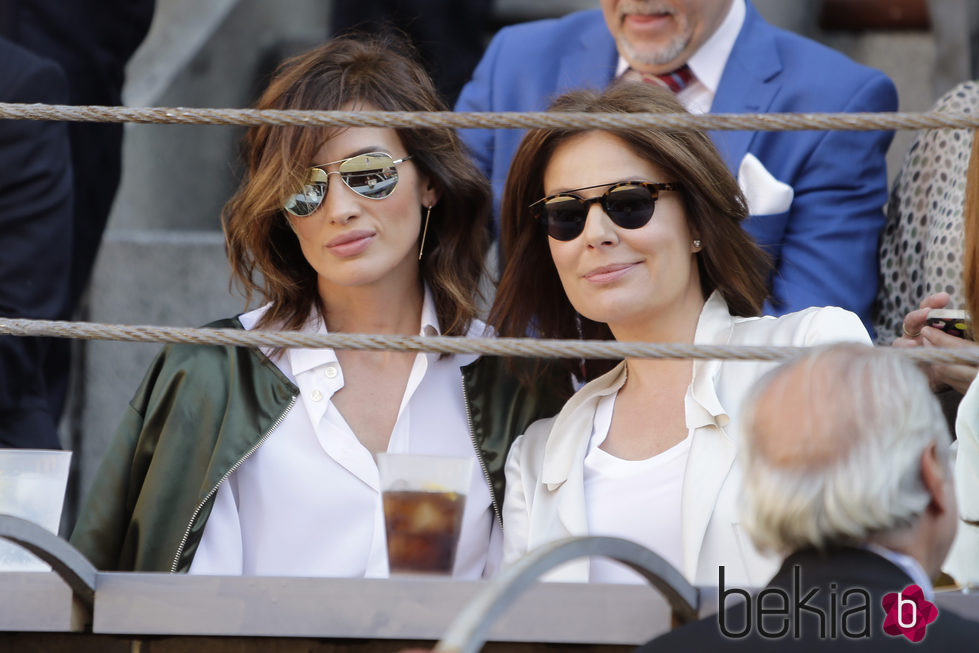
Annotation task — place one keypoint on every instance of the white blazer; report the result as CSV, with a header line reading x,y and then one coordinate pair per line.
x,y
545,494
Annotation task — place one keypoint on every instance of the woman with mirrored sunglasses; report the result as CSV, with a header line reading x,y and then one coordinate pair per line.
x,y
240,461
636,235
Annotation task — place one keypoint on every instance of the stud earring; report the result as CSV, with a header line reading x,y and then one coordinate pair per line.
x,y
428,214
696,243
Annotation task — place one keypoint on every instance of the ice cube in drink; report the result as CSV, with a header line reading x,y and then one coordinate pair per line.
x,y
422,530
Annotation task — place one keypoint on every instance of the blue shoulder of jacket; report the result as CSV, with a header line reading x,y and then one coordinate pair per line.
x,y
820,64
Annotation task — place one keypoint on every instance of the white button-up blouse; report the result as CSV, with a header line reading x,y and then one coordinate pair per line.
x,y
307,502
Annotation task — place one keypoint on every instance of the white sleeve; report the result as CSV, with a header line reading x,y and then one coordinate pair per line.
x,y
962,562
516,509
833,324
219,552
495,552
967,457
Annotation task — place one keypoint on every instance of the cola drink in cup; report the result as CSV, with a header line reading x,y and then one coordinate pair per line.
x,y
422,530
424,498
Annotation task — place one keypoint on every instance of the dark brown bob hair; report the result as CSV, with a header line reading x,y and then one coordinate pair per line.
x,y
364,72
530,298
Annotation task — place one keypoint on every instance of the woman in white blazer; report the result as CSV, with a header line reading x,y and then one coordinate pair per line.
x,y
636,235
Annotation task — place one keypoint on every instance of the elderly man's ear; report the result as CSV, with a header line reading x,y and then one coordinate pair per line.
x,y
936,476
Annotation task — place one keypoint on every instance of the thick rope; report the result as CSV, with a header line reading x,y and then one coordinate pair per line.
x,y
529,347
454,345
514,120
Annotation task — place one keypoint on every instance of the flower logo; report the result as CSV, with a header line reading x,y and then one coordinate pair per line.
x,y
908,613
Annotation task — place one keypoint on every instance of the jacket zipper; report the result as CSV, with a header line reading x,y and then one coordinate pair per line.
x,y
479,455
207,497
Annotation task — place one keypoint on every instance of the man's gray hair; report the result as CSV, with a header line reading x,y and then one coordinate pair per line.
x,y
833,446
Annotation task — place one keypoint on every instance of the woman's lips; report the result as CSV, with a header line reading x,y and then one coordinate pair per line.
x,y
351,243
609,273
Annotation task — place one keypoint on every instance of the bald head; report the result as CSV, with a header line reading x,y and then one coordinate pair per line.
x,y
833,446
800,423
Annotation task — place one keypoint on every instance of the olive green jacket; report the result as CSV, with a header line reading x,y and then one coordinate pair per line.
x,y
202,410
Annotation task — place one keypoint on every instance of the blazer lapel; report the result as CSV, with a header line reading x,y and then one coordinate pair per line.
x,y
591,64
709,462
712,450
559,503
748,85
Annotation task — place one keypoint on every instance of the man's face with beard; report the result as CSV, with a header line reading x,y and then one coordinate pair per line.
x,y
658,36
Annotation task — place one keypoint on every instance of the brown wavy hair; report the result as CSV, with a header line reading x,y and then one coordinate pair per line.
x,y
382,73
530,297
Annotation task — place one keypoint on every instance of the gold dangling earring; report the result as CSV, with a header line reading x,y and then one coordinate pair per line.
x,y
428,214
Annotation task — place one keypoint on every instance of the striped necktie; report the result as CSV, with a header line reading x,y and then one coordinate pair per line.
x,y
676,80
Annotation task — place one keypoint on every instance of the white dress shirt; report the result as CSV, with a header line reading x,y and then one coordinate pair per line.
x,y
708,62
307,501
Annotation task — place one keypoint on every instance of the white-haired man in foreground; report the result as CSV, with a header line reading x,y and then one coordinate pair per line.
x,y
847,472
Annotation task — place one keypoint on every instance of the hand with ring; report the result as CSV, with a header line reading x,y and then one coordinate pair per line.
x,y
916,334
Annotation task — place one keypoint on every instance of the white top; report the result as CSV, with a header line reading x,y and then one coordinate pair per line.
x,y
545,493
708,62
638,500
307,502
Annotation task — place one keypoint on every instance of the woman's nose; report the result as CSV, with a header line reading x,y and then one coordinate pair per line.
x,y
599,228
340,202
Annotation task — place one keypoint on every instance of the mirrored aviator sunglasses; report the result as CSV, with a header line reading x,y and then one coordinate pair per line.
x,y
373,175
628,204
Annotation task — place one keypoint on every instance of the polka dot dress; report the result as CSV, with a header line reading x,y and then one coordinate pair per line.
x,y
921,246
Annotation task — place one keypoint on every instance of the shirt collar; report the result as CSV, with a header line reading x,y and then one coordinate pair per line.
x,y
714,327
576,417
708,62
908,565
430,319
303,360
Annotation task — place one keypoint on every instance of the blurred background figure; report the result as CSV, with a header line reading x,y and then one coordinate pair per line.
x,y
90,41
35,242
447,33
928,236
950,381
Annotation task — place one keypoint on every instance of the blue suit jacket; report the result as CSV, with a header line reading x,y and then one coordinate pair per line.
x,y
825,245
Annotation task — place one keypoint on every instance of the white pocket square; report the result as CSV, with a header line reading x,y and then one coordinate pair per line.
x,y
765,193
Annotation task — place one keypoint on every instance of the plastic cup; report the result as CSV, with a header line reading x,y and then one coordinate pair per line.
x,y
32,486
424,498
